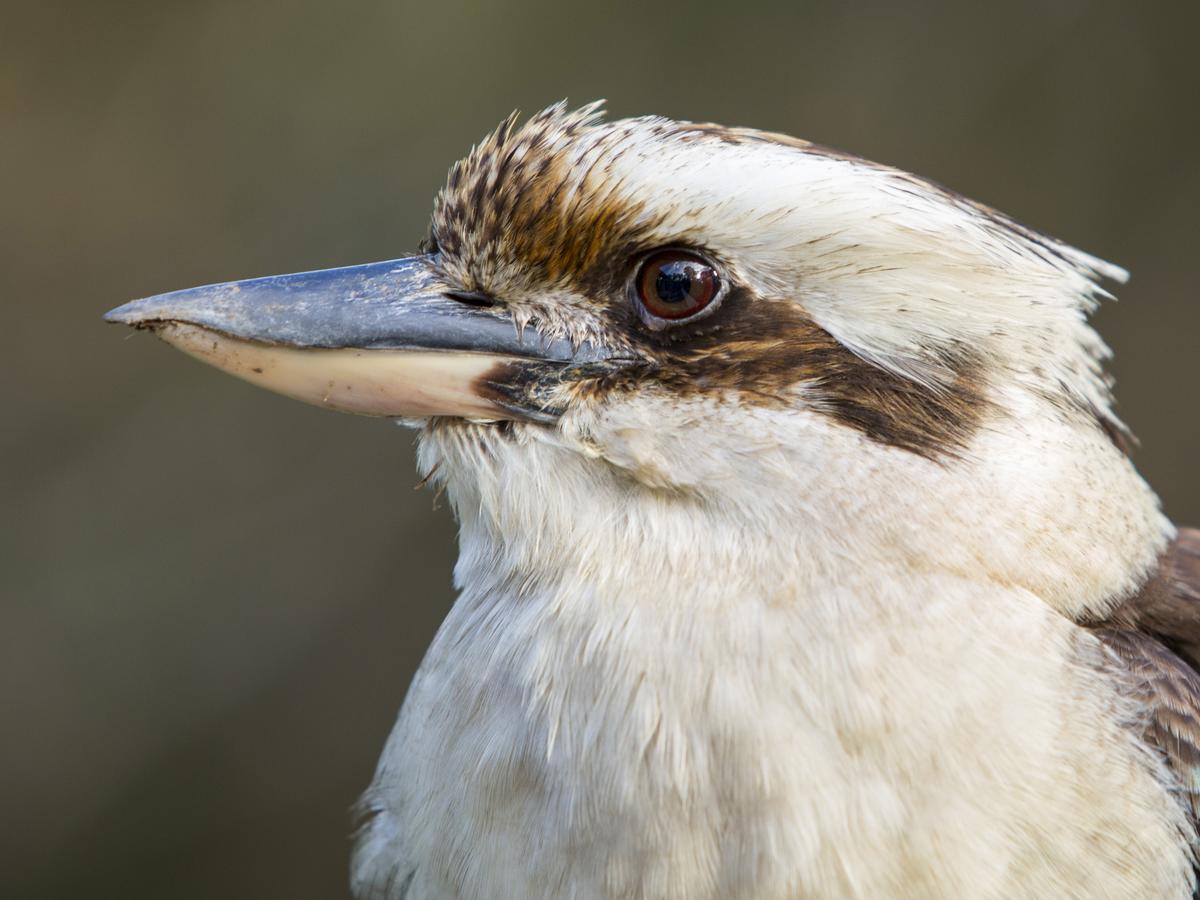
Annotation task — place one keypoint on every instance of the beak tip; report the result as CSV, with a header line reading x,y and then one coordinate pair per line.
x,y
126,314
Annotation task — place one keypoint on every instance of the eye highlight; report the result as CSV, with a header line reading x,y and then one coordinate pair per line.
x,y
675,284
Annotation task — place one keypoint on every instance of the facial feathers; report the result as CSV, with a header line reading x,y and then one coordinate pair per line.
x,y
898,308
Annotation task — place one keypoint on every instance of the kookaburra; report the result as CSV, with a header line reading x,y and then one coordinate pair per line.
x,y
799,553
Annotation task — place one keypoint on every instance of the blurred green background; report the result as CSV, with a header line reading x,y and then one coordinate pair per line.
x,y
212,598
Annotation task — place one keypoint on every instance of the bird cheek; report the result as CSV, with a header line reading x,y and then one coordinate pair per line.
x,y
659,444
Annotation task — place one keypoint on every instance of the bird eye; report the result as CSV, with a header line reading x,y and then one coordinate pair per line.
x,y
675,284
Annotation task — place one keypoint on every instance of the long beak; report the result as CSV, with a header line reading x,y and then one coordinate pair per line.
x,y
381,339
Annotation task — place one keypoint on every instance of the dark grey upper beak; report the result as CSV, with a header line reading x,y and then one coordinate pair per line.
x,y
380,339
393,305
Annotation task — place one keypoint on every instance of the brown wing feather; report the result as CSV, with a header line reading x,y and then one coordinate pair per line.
x,y
1170,690
1156,634
1169,605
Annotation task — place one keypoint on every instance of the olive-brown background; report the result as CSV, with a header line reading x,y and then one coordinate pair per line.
x,y
211,599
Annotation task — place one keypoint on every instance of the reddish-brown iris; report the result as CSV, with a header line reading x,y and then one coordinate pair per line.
x,y
675,284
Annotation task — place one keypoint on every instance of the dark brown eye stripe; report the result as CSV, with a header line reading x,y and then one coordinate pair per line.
x,y
759,349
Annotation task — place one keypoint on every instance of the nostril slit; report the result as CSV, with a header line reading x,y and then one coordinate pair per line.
x,y
472,298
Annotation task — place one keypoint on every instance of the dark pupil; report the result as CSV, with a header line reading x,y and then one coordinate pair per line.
x,y
674,282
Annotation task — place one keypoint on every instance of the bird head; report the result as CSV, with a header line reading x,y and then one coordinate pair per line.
x,y
707,318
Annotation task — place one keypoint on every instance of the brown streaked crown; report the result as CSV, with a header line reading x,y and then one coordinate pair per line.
x,y
524,210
